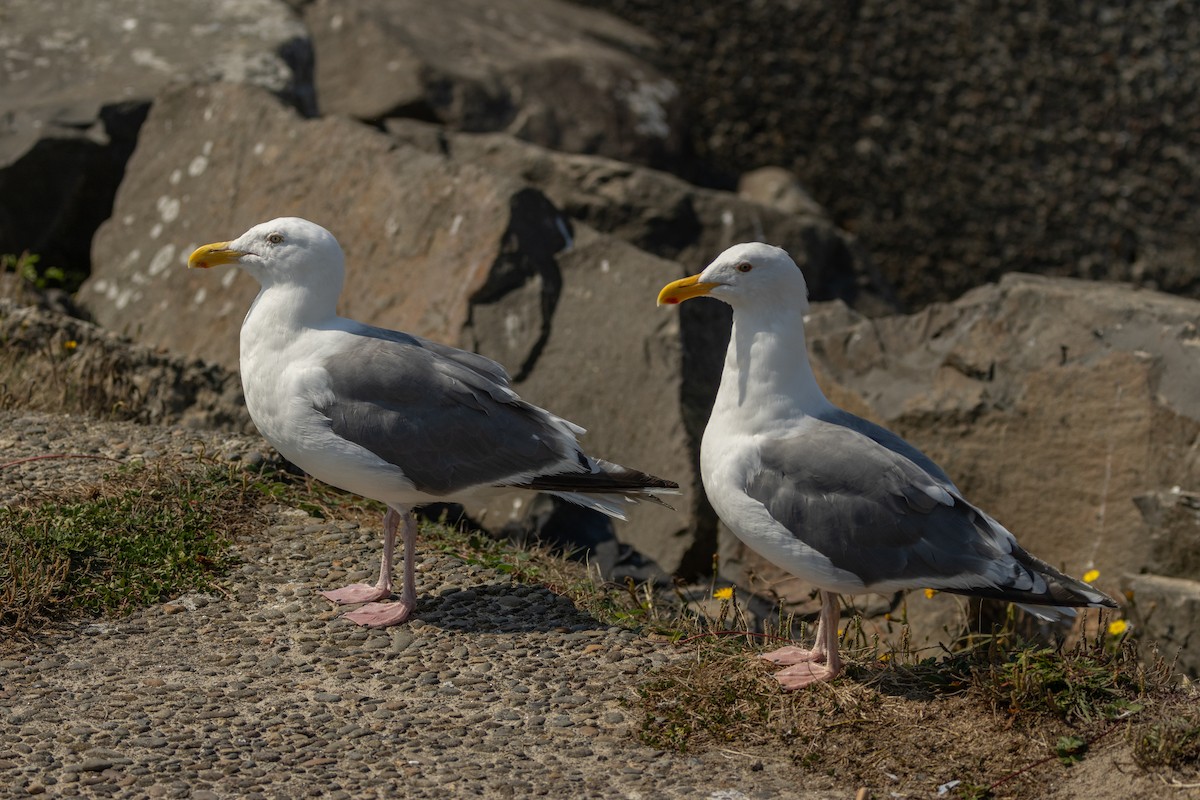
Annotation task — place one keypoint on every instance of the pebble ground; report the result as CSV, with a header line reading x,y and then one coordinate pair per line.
x,y
494,689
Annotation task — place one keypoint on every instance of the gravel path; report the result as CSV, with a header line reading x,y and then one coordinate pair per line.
x,y
495,689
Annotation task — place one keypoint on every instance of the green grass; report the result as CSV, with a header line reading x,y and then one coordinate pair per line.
x,y
1172,741
148,534
141,536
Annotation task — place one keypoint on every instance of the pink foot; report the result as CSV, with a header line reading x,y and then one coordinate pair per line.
x,y
356,593
380,615
791,654
800,675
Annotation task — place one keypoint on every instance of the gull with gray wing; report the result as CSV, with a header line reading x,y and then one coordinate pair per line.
x,y
838,501
392,416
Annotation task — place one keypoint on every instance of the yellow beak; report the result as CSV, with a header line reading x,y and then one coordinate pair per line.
x,y
213,255
684,289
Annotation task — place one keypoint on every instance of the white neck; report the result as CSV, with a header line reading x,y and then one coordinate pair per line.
x,y
291,307
767,371
279,313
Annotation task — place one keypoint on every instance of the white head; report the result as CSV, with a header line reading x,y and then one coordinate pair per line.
x,y
285,251
746,276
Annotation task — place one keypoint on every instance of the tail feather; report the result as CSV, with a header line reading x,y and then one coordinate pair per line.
x,y
1053,600
604,488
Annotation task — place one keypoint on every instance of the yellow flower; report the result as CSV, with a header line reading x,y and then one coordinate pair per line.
x,y
930,593
1091,575
1117,627
724,593
70,344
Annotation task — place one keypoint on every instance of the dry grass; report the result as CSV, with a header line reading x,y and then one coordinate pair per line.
x,y
998,718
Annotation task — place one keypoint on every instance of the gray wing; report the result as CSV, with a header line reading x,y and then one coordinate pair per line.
x,y
882,436
879,515
445,417
484,366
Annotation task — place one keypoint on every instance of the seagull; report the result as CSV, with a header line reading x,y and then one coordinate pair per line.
x,y
842,503
388,415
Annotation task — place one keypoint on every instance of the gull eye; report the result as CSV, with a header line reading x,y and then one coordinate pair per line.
x,y
275,238
745,266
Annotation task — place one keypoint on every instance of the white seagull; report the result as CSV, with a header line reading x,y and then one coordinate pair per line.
x,y
391,416
840,502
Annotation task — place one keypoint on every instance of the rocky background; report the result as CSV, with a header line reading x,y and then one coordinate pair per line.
x,y
521,178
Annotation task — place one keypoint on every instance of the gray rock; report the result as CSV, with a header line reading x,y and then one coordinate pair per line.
x,y
779,188
75,82
959,141
1052,402
1173,522
610,363
541,70
1167,610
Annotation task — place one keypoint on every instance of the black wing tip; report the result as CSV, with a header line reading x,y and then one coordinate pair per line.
x,y
1061,592
609,479
598,483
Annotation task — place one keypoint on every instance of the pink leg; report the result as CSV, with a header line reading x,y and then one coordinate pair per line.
x,y
790,654
365,593
381,615
819,664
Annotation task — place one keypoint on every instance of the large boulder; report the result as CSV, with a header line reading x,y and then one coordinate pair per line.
x,y
75,83
672,219
1166,598
1054,404
542,70
1167,613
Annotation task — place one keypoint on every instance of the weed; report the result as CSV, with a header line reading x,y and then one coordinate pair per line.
x,y
1070,749
1090,682
26,267
1172,741
717,697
